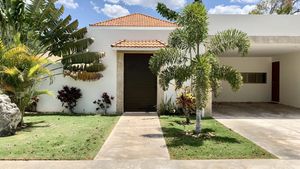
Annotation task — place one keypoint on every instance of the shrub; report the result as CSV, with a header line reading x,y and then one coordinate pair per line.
x,y
69,97
187,103
104,103
167,107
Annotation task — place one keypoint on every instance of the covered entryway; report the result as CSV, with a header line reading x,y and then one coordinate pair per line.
x,y
140,84
274,127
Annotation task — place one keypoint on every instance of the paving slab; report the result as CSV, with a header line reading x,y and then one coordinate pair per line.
x,y
153,164
135,136
274,127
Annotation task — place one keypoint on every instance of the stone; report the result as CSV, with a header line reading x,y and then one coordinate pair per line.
x,y
10,116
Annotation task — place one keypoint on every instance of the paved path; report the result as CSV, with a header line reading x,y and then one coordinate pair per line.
x,y
135,136
274,127
153,164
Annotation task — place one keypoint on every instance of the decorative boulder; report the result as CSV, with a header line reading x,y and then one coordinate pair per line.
x,y
10,116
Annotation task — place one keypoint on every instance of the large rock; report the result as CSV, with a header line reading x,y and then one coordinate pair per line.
x,y
10,116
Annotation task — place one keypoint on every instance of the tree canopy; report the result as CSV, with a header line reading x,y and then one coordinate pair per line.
x,y
184,59
290,7
41,27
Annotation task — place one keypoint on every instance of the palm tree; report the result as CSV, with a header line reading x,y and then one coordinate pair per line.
x,y
204,69
44,31
20,74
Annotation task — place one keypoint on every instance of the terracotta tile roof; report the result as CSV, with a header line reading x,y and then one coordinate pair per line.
x,y
139,44
136,20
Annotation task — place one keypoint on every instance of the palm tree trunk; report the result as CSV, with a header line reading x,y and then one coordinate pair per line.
x,y
199,113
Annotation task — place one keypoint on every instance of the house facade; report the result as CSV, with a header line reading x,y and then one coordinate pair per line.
x,y
270,70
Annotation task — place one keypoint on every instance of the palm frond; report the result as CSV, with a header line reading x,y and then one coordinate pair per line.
x,y
42,92
165,57
229,40
87,57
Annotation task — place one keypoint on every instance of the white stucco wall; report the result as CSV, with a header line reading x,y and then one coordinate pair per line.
x,y
256,25
248,92
104,37
93,90
289,79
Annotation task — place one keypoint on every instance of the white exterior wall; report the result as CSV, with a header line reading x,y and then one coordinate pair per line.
x,y
248,92
289,79
256,25
91,91
253,25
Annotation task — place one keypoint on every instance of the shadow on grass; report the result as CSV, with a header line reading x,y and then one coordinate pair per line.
x,y
28,127
179,137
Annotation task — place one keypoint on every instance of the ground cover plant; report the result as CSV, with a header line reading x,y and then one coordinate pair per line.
x,y
58,137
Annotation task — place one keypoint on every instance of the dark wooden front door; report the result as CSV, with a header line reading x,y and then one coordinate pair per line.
x,y
140,84
275,81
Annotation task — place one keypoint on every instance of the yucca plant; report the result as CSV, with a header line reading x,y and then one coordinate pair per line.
x,y
21,73
44,30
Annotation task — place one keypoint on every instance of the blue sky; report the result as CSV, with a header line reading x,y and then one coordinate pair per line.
x,y
92,11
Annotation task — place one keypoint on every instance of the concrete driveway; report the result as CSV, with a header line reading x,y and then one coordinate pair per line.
x,y
274,127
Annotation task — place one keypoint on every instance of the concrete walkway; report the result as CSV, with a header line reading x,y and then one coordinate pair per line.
x,y
136,136
274,127
153,164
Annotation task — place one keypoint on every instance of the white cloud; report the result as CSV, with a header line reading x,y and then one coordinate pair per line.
x,y
68,3
174,4
245,1
114,11
112,1
95,7
231,9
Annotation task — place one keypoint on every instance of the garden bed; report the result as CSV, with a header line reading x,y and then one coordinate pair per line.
x,y
58,137
215,142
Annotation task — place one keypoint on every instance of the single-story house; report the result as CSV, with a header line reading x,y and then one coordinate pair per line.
x,y
270,69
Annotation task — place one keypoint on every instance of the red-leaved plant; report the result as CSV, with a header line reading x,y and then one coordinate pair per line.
x,y
69,97
104,103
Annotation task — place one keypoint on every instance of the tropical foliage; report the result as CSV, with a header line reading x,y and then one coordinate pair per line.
x,y
21,73
187,102
183,61
280,7
104,103
69,97
44,30
167,107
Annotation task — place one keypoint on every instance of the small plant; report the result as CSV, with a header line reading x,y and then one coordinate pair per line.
x,y
167,107
187,103
104,103
69,97
33,105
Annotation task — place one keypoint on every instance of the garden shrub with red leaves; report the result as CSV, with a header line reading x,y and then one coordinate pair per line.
x,y
104,103
69,97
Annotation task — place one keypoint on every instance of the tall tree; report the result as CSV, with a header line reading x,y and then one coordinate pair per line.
x,y
174,63
290,7
45,32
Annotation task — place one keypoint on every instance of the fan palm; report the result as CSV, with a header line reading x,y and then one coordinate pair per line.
x,y
44,31
204,69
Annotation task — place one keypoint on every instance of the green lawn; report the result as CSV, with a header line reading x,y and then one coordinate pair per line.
x,y
55,137
216,142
